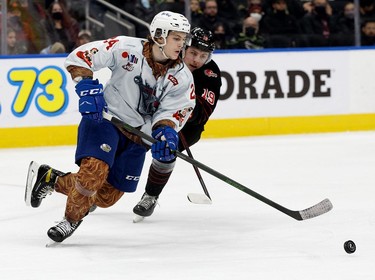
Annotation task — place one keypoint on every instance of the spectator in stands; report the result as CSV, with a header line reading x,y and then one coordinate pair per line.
x,y
318,26
338,6
21,22
308,7
279,26
249,38
255,9
84,36
211,19
32,13
60,26
13,46
220,36
345,26
255,6
144,10
228,11
295,7
368,33
76,8
196,13
367,10
54,48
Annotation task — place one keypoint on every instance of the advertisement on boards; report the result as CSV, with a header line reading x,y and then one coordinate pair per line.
x,y
38,91
283,84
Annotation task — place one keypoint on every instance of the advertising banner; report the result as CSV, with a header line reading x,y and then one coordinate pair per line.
x,y
38,91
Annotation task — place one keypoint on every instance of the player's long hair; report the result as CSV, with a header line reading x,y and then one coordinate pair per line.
x,y
158,69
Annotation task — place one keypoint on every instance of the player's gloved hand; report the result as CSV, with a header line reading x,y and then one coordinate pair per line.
x,y
91,99
165,146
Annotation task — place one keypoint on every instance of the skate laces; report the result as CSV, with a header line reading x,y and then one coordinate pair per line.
x,y
44,191
147,201
47,186
65,227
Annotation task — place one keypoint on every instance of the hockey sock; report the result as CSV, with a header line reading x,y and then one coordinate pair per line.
x,y
158,176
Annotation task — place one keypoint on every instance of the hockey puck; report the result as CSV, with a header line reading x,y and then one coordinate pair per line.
x,y
349,247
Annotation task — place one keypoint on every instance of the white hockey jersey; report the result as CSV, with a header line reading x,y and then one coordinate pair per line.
x,y
132,93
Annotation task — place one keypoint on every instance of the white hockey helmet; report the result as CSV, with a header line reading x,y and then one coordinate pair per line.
x,y
167,21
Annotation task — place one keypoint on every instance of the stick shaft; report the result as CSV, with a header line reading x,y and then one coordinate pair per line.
x,y
318,209
200,178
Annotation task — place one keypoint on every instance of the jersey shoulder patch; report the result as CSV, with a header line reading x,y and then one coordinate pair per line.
x,y
210,73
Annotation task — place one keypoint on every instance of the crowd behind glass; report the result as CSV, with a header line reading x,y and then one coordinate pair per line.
x,y
59,26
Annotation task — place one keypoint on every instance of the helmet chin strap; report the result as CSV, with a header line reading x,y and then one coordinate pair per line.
x,y
161,48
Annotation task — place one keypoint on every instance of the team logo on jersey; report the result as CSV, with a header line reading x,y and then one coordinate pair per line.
x,y
173,80
86,56
210,73
132,59
181,115
128,67
105,147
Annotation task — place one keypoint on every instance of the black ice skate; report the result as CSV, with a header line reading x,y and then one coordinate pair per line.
x,y
145,207
62,230
45,178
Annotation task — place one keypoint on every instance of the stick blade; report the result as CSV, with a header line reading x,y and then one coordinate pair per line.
x,y
199,198
318,209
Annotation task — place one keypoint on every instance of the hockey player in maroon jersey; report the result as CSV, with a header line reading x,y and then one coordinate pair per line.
x,y
207,80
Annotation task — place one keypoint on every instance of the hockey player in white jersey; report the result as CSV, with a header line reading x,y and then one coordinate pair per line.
x,y
150,88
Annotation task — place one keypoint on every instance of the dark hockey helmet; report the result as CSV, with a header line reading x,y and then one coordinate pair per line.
x,y
202,39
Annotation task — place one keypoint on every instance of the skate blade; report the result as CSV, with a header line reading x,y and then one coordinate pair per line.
x,y
138,219
31,175
51,244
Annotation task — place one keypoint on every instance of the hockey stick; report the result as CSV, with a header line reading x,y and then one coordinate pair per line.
x,y
316,210
196,197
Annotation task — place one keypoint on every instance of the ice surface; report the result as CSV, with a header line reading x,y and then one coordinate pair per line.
x,y
237,237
